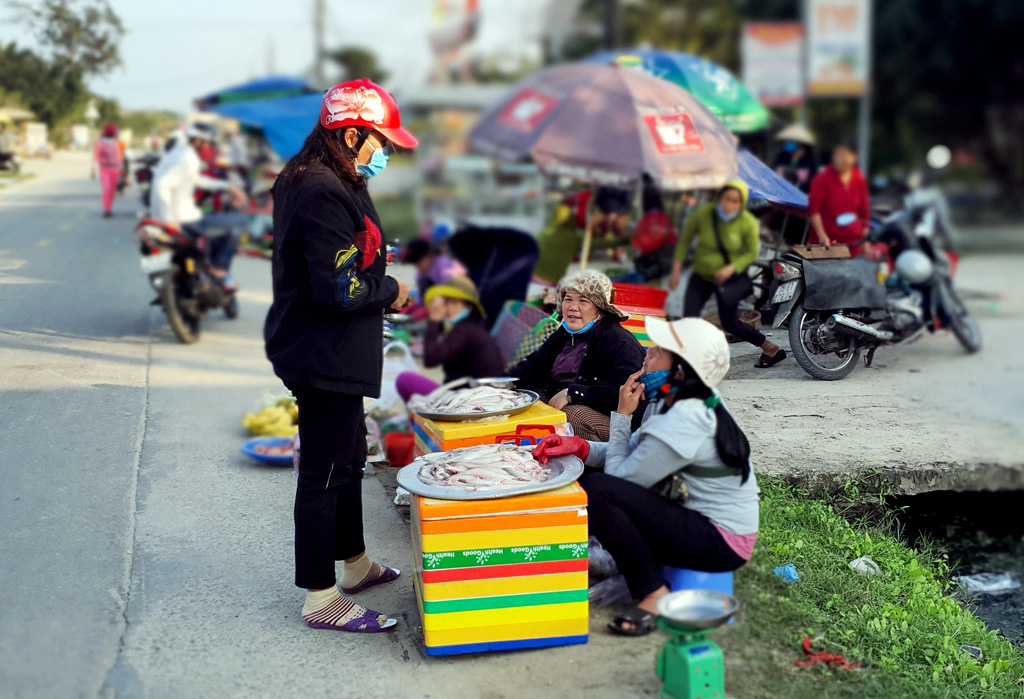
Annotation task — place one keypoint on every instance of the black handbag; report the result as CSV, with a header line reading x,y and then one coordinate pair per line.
x,y
737,287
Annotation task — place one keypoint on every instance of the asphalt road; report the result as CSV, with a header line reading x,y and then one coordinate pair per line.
x,y
142,555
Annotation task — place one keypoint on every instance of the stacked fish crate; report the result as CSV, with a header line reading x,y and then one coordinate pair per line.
x,y
438,436
636,323
639,301
501,574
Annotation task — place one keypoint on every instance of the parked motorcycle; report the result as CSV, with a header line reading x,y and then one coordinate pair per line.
x,y
175,261
836,308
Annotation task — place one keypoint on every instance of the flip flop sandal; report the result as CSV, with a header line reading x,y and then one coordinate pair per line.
x,y
766,362
643,623
367,623
387,575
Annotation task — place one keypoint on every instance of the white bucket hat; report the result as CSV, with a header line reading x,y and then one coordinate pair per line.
x,y
700,343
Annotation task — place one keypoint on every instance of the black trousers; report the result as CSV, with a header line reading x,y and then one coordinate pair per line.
x,y
698,291
328,497
644,531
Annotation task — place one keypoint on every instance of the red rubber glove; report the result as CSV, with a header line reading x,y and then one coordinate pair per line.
x,y
557,445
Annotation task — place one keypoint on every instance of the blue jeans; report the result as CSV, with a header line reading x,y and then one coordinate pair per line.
x,y
222,233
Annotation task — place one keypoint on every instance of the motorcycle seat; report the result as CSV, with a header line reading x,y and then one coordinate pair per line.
x,y
169,227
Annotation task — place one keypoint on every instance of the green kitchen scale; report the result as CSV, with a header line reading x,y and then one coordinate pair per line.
x,y
689,664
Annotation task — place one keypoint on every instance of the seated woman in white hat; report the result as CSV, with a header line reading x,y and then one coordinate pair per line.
x,y
679,491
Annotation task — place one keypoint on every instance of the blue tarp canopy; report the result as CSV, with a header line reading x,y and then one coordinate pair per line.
x,y
271,87
285,122
767,185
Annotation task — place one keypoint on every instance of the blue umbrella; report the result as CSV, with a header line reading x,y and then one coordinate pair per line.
x,y
271,87
767,185
713,85
285,122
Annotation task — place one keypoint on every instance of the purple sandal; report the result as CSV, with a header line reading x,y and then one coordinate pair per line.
x,y
387,575
364,623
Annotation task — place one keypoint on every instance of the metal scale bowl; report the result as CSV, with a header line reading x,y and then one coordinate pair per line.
x,y
689,664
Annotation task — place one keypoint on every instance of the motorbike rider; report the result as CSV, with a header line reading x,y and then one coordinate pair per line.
x,y
839,202
176,178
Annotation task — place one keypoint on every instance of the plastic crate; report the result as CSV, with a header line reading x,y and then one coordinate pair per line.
x,y
638,295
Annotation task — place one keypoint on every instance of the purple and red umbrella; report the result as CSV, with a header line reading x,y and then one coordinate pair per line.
x,y
609,124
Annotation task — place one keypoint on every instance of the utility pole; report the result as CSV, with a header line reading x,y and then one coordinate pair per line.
x,y
271,62
319,22
612,24
864,113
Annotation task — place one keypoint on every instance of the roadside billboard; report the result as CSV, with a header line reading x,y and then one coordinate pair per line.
x,y
838,47
773,62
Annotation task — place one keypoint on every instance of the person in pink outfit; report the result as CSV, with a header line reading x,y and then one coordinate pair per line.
x,y
106,157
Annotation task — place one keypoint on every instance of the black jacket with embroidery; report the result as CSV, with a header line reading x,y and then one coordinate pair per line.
x,y
325,326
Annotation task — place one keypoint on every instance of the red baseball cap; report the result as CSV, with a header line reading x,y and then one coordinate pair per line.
x,y
364,103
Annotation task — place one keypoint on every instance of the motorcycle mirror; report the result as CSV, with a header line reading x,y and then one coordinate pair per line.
x,y
939,157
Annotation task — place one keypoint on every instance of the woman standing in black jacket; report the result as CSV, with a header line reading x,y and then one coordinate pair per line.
x,y
324,336
580,368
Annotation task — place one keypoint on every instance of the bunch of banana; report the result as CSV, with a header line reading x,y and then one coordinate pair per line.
x,y
276,421
292,407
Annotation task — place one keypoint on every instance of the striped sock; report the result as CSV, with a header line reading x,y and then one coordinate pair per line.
x,y
356,573
329,609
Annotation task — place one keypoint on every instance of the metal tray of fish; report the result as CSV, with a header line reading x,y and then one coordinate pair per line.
x,y
562,470
462,417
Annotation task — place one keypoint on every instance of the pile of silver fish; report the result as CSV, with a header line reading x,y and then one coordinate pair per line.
x,y
466,401
481,467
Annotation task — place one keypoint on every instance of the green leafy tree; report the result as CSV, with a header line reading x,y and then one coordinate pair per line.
x,y
79,35
47,89
357,63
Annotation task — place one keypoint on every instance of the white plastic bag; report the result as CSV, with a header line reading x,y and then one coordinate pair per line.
x,y
674,301
600,563
611,591
389,407
988,583
865,565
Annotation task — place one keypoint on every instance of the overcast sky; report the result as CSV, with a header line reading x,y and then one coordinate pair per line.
x,y
175,51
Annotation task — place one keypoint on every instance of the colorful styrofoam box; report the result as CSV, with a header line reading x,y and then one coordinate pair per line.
x,y
437,436
501,574
636,320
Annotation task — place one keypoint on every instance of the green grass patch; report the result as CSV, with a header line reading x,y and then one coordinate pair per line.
x,y
901,624
398,217
11,177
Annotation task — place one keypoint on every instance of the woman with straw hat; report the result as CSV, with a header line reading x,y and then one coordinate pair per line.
x,y
456,338
679,491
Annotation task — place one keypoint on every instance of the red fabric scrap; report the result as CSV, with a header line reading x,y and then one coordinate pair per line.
x,y
830,659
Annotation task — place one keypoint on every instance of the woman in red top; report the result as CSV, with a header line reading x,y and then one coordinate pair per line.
x,y
838,201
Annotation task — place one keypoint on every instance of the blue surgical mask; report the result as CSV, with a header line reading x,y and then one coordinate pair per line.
x,y
459,317
789,147
653,382
582,330
724,216
378,161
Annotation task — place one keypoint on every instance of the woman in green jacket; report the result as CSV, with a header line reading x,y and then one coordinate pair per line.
x,y
736,236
